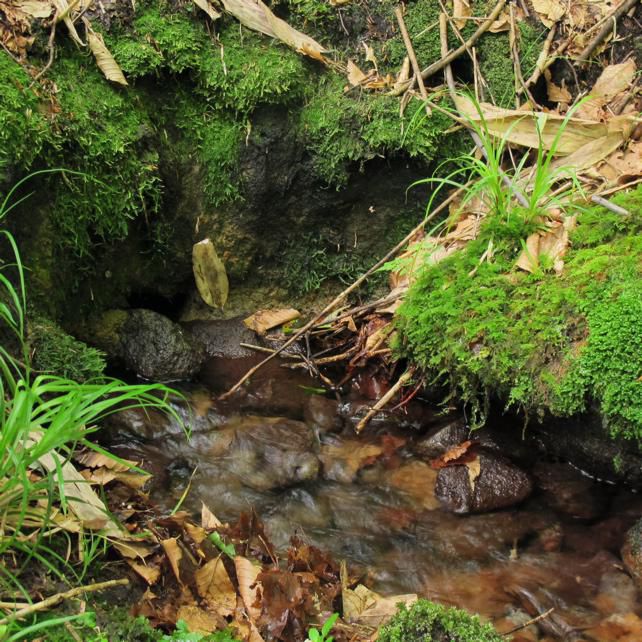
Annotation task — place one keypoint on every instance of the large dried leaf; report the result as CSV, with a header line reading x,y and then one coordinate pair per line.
x,y
214,586
104,59
249,587
209,274
521,128
265,320
256,15
174,555
549,11
461,11
34,8
93,459
208,8
614,81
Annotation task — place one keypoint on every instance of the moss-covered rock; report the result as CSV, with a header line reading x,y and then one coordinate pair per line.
x,y
542,342
426,621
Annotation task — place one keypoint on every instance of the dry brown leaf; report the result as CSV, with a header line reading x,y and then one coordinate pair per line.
x,y
520,128
474,469
265,320
62,9
556,93
355,75
104,59
214,586
209,274
614,80
254,14
549,11
150,574
552,243
34,8
93,459
209,521
370,54
208,8
456,451
198,620
249,586
461,11
174,555
622,166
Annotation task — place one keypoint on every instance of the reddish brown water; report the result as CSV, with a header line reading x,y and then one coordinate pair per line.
x,y
370,501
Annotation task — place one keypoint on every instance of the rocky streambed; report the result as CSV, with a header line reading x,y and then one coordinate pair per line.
x,y
509,533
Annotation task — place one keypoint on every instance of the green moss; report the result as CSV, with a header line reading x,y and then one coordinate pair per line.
x,y
426,621
56,352
23,128
543,342
340,129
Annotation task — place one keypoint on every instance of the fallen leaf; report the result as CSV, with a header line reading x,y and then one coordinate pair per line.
x,y
209,274
214,586
456,451
104,59
622,166
556,93
461,11
150,574
254,14
549,11
474,470
93,459
417,481
342,462
208,8
249,586
552,243
265,320
35,8
63,9
355,75
174,555
209,521
196,533
200,621
370,54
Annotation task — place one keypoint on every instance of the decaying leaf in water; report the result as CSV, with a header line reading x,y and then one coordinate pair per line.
x,y
208,8
544,129
249,587
551,243
549,11
209,274
214,585
254,14
342,462
461,11
104,59
474,469
363,606
265,320
174,555
457,455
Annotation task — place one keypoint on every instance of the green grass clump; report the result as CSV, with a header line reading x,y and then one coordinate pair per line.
x,y
23,129
56,352
426,621
543,342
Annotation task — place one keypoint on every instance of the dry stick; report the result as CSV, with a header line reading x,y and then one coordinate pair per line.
x,y
448,58
50,47
328,308
385,399
443,34
609,25
59,597
541,616
251,346
542,62
411,54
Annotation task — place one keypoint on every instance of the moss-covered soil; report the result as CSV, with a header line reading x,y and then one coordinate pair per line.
x,y
545,343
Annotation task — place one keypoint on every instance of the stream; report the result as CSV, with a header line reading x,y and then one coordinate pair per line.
x,y
292,455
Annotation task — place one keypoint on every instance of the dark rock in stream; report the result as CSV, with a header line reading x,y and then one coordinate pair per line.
x,y
222,338
148,343
441,438
500,484
632,552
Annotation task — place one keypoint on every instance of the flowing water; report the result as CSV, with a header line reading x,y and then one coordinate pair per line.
x,y
293,456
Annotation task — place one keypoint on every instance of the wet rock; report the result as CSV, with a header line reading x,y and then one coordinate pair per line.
x,y
632,552
500,484
569,492
222,338
322,414
617,593
148,343
441,438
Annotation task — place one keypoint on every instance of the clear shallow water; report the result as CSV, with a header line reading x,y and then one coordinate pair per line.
x,y
294,458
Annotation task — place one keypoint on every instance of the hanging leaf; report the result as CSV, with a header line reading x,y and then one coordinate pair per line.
x,y
62,13
256,15
209,274
104,59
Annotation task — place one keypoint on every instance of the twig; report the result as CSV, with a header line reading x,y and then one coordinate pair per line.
x,y
391,298
616,209
405,377
512,42
543,60
340,297
50,47
251,346
541,616
443,34
453,55
607,27
59,597
411,54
